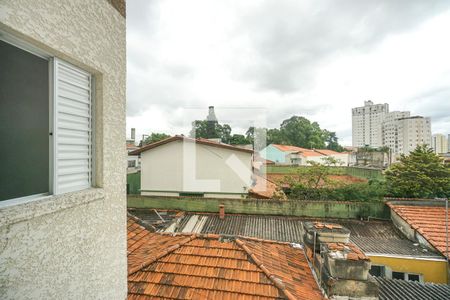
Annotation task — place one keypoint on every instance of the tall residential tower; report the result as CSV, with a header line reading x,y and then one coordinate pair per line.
x,y
366,124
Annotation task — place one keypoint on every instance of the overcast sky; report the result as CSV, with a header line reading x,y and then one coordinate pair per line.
x,y
316,59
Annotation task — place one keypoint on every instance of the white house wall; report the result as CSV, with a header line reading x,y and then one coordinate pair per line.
x,y
171,168
73,246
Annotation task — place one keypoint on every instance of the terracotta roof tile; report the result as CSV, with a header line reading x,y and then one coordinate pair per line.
x,y
429,221
189,266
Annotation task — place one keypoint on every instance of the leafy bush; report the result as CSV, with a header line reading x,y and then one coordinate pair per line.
x,y
374,190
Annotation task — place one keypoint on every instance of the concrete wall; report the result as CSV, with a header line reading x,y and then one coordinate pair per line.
x,y
320,209
73,246
188,167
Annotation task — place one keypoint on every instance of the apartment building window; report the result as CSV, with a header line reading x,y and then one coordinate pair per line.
x,y
45,124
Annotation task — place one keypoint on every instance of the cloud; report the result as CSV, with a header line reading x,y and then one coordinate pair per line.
x,y
317,59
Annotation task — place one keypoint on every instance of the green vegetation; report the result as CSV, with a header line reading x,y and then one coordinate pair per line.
x,y
315,183
296,131
155,137
359,172
421,174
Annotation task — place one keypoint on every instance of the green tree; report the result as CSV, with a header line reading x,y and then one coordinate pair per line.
x,y
209,130
155,137
421,174
331,140
239,139
299,131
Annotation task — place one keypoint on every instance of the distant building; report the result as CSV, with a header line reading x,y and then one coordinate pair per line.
x,y
390,129
293,155
439,143
366,124
181,166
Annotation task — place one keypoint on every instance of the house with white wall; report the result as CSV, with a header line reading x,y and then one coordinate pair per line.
x,y
181,166
293,155
62,176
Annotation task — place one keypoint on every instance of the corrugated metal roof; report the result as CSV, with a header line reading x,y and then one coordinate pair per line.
x,y
393,247
376,237
395,289
282,229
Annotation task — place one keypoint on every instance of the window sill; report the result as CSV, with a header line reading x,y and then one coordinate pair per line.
x,y
19,210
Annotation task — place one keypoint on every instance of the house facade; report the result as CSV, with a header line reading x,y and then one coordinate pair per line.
x,y
292,155
62,107
180,166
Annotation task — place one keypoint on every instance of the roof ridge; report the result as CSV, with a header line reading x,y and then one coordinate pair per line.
x,y
161,255
278,282
255,239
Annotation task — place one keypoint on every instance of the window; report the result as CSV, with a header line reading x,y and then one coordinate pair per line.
x,y
46,123
378,271
131,163
407,276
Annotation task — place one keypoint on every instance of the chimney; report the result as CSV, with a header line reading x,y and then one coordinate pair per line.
x,y
341,267
133,133
222,211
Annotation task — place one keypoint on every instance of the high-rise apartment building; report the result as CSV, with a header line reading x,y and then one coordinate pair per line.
x,y
390,129
367,124
439,143
404,134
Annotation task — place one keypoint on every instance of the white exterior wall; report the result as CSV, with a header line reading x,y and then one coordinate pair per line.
x,y
439,143
413,131
166,169
391,130
366,124
73,246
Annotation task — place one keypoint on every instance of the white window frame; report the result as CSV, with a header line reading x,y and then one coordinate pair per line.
x,y
52,190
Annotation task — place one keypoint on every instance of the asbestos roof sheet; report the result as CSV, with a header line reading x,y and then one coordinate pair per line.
x,y
429,221
282,229
391,246
395,289
191,266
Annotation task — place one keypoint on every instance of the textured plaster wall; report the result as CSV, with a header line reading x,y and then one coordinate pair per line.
x,y
73,246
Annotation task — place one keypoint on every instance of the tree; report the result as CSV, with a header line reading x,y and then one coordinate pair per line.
x,y
332,141
155,137
421,174
299,131
239,139
209,130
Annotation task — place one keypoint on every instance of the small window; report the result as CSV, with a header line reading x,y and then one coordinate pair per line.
x,y
414,277
131,163
398,275
378,271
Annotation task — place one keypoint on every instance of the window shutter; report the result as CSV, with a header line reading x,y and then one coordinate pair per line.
x,y
72,128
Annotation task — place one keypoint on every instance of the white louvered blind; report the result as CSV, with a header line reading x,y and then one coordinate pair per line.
x,y
72,128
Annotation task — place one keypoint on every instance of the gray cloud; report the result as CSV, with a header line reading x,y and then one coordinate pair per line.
x,y
275,47
290,42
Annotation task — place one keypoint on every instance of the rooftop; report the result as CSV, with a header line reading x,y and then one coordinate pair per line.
x,y
188,139
429,221
373,237
395,289
186,266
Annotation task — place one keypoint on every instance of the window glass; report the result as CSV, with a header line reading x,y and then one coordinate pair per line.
x,y
377,271
413,277
398,275
24,123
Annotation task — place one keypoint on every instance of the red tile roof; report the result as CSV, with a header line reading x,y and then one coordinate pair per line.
x,y
289,148
187,139
186,266
429,221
